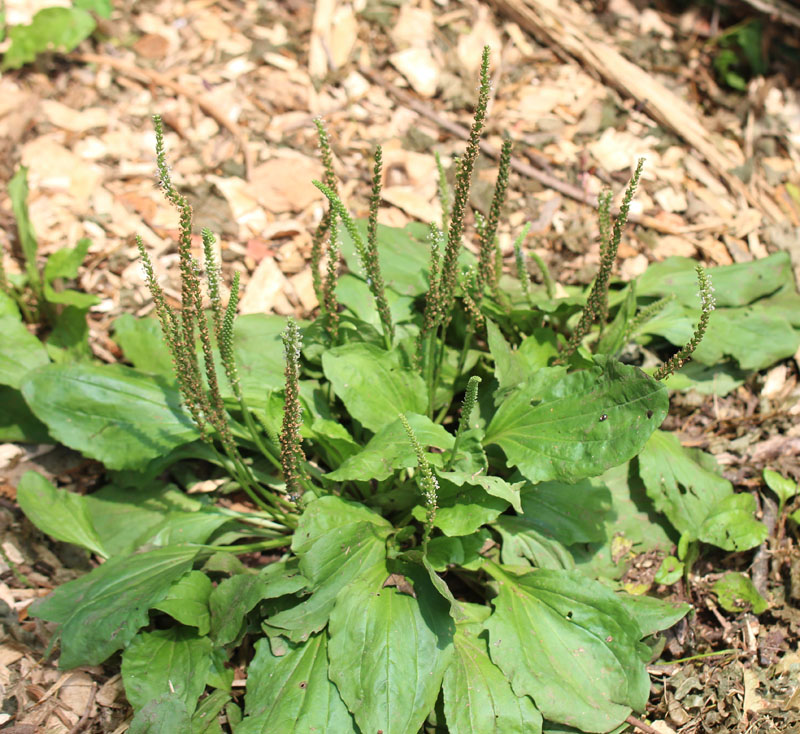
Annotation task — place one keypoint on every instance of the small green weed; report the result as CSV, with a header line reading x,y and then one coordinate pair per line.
x,y
52,29
450,458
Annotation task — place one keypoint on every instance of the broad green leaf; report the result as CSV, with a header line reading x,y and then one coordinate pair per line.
x,y
143,345
20,352
17,423
674,322
64,263
109,412
388,652
784,488
335,443
52,29
613,338
539,347
373,384
187,601
100,613
355,295
125,518
471,460
523,544
235,597
684,485
651,614
184,527
404,255
495,486
417,567
513,365
571,645
510,367
754,337
389,449
568,427
570,513
731,524
205,719
478,699
461,510
259,355
291,693
8,306
163,715
101,7
718,379
220,676
327,514
736,593
751,323
337,542
670,571
631,523
170,661
69,340
61,514
464,551
734,285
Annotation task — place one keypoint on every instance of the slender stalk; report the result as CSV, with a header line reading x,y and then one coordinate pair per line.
x,y
597,303
286,540
428,484
707,304
467,407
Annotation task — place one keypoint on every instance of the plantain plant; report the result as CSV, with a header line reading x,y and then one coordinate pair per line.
x,y
442,470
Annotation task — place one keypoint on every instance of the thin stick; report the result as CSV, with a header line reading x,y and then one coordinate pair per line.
x,y
153,77
641,726
85,715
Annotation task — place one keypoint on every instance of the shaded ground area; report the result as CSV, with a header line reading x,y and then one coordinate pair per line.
x,y
238,85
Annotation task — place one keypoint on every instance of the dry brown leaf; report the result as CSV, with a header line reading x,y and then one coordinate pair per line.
x,y
318,47
152,46
54,168
419,68
671,200
411,201
774,381
303,285
672,244
342,35
483,32
414,26
265,291
284,184
753,701
76,692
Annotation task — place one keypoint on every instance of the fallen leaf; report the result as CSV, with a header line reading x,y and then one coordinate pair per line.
x,y
266,290
151,46
284,184
419,68
409,199
413,26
